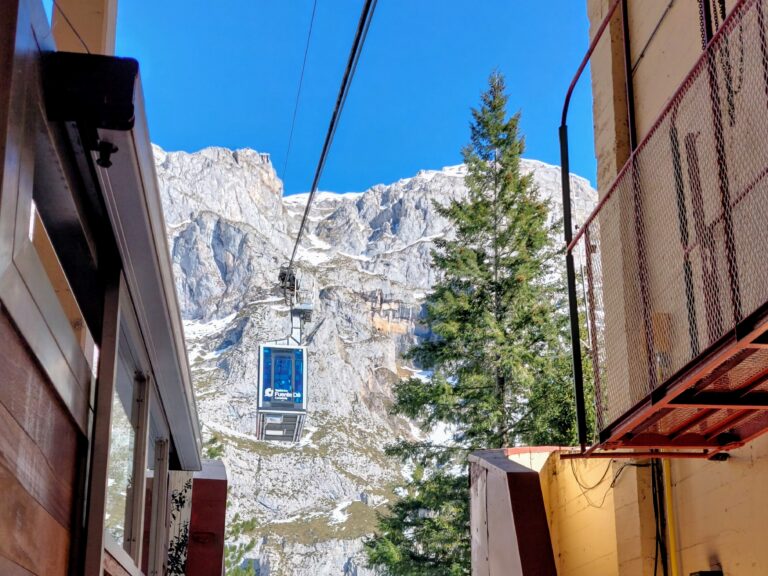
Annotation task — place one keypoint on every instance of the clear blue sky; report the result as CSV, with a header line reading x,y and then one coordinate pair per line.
x,y
225,73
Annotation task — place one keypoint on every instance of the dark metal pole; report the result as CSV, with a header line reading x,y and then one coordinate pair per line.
x,y
628,77
637,196
573,303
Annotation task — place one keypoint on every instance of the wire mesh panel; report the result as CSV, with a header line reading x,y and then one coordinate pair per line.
x,y
674,258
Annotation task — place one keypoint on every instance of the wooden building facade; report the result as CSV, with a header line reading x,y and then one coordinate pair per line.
x,y
96,401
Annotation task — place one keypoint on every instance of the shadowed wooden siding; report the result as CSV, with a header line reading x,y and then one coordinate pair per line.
x,y
38,457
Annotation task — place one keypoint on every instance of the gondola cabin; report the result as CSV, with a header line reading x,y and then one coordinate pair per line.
x,y
282,406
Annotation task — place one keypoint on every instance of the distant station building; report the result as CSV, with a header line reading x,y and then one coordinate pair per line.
x,y
99,433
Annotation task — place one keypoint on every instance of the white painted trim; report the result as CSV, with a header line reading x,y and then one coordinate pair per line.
x,y
35,278
141,424
133,204
19,304
158,531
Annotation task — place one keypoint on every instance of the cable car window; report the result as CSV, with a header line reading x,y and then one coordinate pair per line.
x,y
298,377
282,377
283,392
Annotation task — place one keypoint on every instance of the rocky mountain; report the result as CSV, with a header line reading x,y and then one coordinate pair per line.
x,y
302,510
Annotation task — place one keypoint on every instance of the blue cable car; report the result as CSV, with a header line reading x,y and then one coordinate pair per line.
x,y
282,406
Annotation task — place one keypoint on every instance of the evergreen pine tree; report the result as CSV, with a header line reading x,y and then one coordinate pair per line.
x,y
499,361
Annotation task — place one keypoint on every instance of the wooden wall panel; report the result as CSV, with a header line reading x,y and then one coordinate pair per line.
x,y
8,568
207,527
38,465
39,456
20,456
29,536
33,403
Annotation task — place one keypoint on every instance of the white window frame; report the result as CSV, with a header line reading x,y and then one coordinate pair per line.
x,y
158,534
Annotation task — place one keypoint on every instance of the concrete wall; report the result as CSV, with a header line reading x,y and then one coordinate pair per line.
x,y
721,511
665,42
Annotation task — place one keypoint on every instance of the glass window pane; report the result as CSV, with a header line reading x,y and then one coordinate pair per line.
x,y
121,457
298,378
149,476
283,375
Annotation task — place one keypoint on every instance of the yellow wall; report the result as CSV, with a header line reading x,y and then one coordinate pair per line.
x,y
720,511
581,522
665,43
668,57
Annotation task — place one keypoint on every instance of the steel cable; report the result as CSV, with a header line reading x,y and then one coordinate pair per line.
x,y
357,46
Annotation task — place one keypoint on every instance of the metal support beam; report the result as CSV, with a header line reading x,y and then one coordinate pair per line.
x,y
724,401
573,304
102,425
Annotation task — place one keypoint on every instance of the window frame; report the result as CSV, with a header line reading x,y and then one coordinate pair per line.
x,y
159,519
133,534
148,407
25,290
123,341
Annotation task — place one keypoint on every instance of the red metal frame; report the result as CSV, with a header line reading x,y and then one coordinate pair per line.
x,y
687,414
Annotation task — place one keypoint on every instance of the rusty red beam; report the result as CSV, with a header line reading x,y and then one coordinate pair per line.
x,y
585,60
647,454
697,418
730,422
723,401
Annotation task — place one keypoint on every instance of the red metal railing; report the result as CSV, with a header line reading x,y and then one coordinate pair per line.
x,y
675,257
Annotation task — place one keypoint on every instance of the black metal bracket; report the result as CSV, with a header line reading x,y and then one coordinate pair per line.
x,y
105,150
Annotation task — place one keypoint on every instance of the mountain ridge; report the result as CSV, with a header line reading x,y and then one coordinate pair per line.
x,y
303,510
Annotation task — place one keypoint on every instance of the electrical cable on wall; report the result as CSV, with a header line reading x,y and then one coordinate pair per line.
x,y
585,488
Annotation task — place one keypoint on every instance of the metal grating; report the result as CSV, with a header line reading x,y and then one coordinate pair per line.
x,y
673,260
280,426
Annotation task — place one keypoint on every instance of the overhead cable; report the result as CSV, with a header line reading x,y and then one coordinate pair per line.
x,y
357,47
298,92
